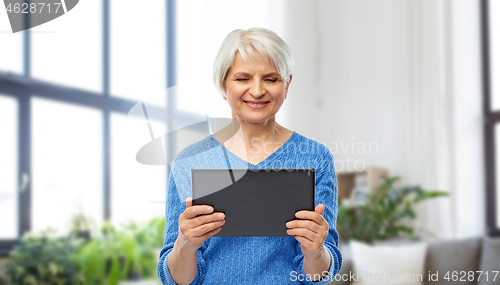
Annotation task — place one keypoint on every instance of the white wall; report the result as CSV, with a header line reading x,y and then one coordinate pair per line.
x,y
403,75
356,100
302,36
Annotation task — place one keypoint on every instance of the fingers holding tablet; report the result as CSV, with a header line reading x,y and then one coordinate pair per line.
x,y
310,230
198,223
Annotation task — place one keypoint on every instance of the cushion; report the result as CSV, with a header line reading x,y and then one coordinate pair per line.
x,y
453,255
388,264
490,261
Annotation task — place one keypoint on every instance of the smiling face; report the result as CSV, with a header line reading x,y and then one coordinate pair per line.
x,y
255,91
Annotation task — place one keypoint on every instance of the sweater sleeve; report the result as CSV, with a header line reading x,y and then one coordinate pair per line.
x,y
174,208
327,194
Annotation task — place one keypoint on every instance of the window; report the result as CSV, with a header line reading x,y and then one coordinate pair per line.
x,y
137,50
9,167
68,146
68,87
11,52
68,50
137,190
66,163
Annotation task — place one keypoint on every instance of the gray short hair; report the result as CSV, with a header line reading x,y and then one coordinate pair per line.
x,y
264,41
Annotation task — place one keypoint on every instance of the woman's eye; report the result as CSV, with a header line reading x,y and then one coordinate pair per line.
x,y
241,79
272,80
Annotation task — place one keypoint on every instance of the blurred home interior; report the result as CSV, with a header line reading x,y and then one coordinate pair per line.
x,y
408,90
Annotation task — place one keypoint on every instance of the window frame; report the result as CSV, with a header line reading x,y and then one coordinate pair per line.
x,y
24,87
490,119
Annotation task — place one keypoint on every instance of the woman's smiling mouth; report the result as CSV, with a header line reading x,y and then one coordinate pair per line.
x,y
256,104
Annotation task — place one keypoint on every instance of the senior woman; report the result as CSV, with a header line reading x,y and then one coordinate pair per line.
x,y
253,72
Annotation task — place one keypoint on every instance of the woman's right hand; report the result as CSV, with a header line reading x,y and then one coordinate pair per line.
x,y
197,224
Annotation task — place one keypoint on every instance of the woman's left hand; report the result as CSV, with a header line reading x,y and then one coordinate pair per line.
x,y
311,231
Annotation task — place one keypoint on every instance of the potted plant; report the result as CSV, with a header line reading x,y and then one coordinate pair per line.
x,y
148,236
108,258
380,217
81,226
76,259
43,259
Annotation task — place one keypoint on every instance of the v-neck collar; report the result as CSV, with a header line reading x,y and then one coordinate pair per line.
x,y
270,157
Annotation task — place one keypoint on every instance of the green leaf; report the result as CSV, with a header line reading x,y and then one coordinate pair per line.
x,y
53,268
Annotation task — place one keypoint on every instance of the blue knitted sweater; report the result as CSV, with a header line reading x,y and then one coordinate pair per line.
x,y
251,260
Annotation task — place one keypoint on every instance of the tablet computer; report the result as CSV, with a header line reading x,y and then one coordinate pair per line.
x,y
256,202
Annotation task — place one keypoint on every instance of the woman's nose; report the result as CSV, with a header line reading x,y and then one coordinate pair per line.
x,y
257,89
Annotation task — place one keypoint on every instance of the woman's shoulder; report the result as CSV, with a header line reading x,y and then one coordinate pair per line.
x,y
314,147
195,149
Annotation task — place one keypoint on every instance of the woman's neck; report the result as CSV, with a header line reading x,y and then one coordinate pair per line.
x,y
256,139
258,133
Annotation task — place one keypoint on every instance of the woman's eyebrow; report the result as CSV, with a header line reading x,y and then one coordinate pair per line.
x,y
247,74
240,74
271,74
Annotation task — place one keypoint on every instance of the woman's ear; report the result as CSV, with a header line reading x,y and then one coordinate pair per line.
x,y
288,85
224,87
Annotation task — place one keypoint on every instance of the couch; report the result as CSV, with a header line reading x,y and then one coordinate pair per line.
x,y
468,255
